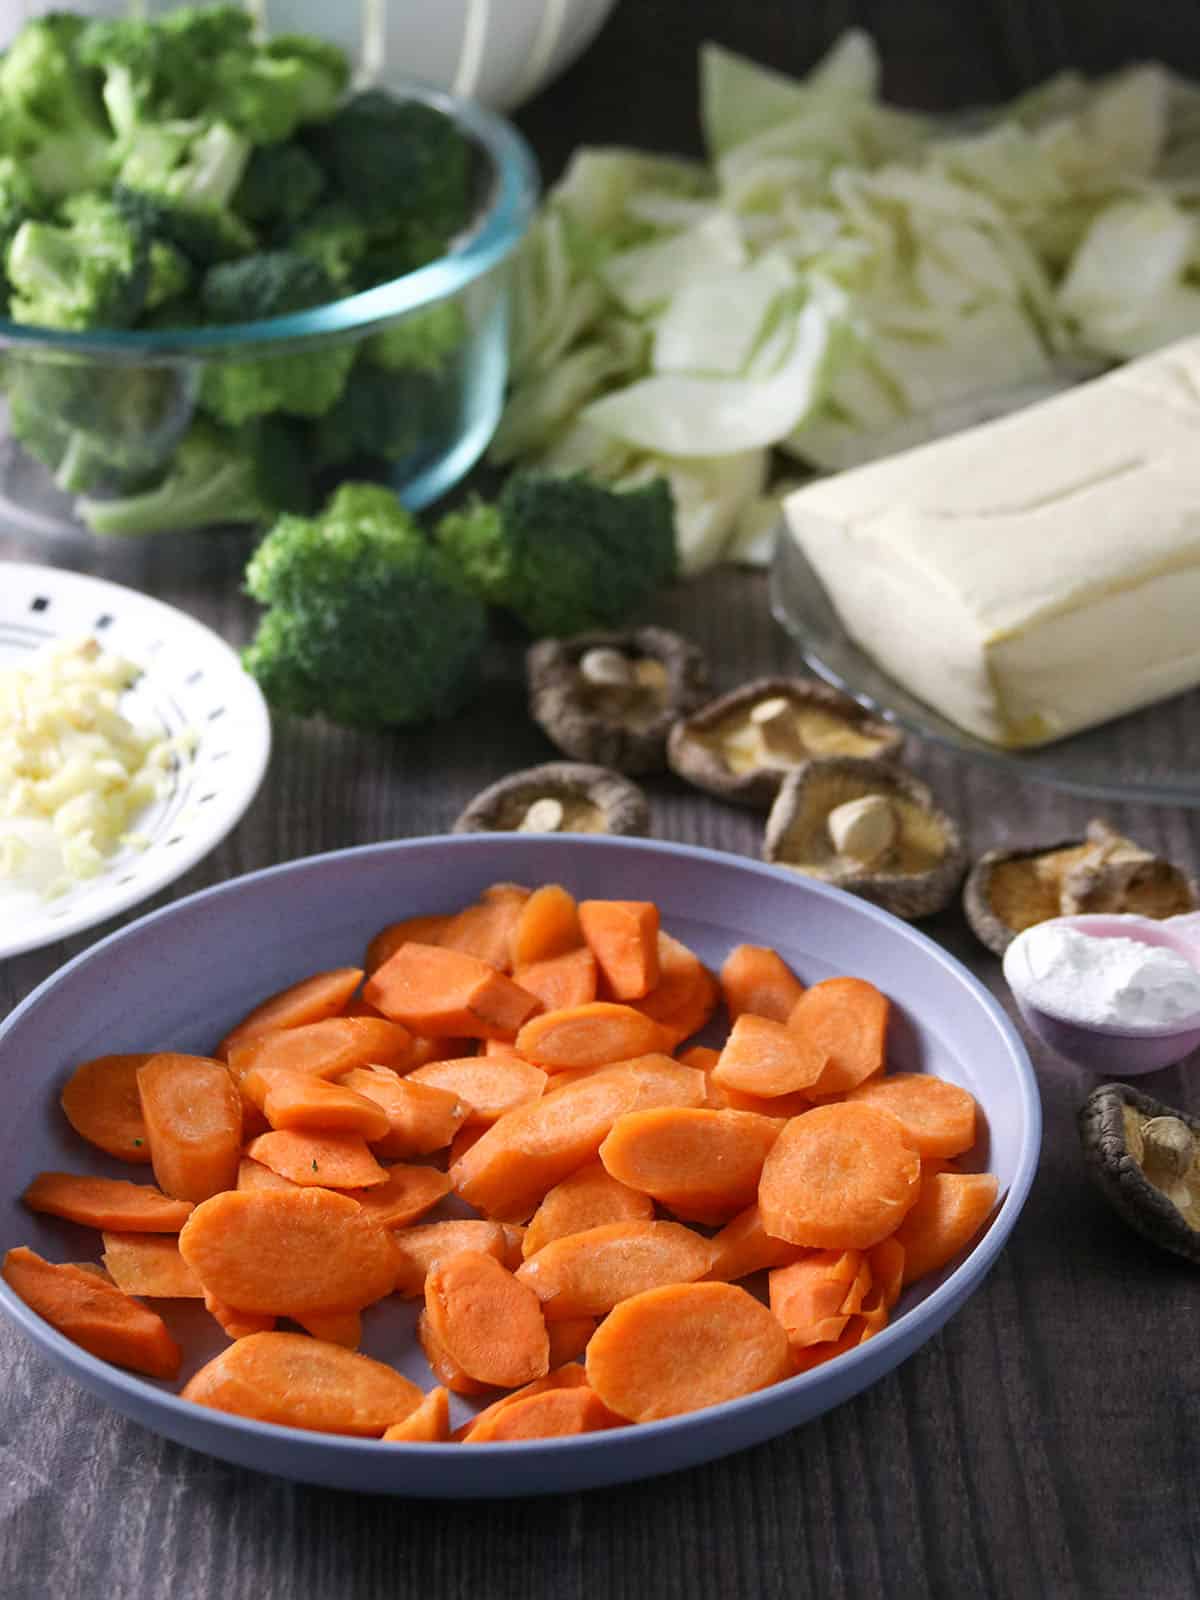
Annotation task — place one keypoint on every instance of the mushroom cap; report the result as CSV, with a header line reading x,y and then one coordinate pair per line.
x,y
587,732
500,807
924,866
1116,1170
1005,893
837,726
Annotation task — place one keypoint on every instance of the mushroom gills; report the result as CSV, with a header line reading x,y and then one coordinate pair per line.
x,y
1145,1157
913,840
632,691
551,814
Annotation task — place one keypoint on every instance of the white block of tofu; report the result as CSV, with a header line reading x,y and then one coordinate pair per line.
x,y
1037,574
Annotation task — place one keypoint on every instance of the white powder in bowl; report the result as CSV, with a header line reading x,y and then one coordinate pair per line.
x,y
1112,981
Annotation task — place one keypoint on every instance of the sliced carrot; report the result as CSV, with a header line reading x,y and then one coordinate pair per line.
x,y
807,1356
444,992
703,1165
683,1347
102,1104
444,1368
561,981
722,1098
700,1055
413,930
408,1193
463,1140
594,1035
939,1117
419,1249
318,1160
744,1246
322,995
570,1376
756,980
951,1209
489,1322
840,1177
767,1058
304,1383
106,1203
326,1049
556,1414
686,994
423,1050
336,1327
508,1171
859,1289
193,1113
150,1264
586,1198
808,1297
492,1049
428,1424
300,1100
847,1019
586,1274
623,937
93,1314
236,1324
488,1087
887,1268
421,1118
569,1338
287,1252
546,927
253,1175
873,1313
514,1244
485,930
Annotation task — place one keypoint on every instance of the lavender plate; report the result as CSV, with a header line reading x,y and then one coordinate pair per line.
x,y
179,977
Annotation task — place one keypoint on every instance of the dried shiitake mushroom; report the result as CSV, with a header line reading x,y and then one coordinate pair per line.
x,y
1145,1157
1008,891
742,745
611,698
870,828
560,797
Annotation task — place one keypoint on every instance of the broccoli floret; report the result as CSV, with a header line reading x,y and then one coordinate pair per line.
x,y
423,341
205,234
335,238
53,119
565,553
132,57
395,162
281,184
19,201
90,272
214,476
269,92
270,284
367,621
413,245
170,274
381,415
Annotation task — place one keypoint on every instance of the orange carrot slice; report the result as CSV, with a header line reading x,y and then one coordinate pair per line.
x,y
840,1177
102,1104
586,1274
767,1058
546,927
485,930
703,1165
253,1175
311,1000
462,1142
569,1376
809,1295
419,1249
756,980
428,1424
150,1264
623,937
193,1114
287,1252
299,1100
441,1364
444,992
421,1118
949,1212
236,1324
488,1087
408,1193
700,1055
847,1019
684,1347
304,1383
561,981
744,1246
569,1338
595,1035
488,1322
413,930
938,1117
326,1049
106,1203
93,1314
887,1268
873,1313
686,994
722,1098
556,1414
589,1197
335,1327
318,1160
806,1357
859,1288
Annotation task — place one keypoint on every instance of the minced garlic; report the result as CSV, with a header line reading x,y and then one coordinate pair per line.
x,y
72,762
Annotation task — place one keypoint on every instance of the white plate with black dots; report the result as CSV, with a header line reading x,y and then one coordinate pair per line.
x,y
192,691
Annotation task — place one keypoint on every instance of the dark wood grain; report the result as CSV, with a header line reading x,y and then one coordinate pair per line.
x,y
1045,1444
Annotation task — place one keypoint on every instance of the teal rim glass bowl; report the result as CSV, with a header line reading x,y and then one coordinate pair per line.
x,y
115,404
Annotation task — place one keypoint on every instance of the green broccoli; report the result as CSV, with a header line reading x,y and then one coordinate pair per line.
x,y
384,416
281,184
335,238
565,554
53,119
214,476
132,57
92,271
367,621
19,201
423,341
267,93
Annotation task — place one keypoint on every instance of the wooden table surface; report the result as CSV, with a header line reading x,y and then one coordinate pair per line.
x,y
1045,1444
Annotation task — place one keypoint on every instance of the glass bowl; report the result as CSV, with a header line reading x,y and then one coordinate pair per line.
x,y
91,416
